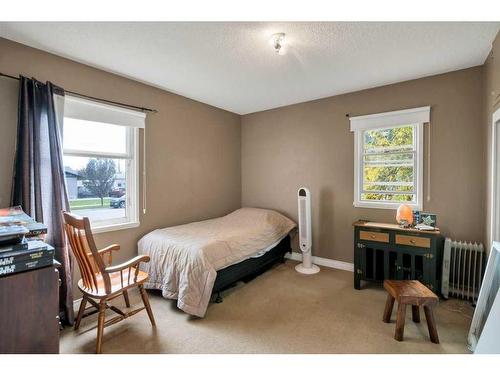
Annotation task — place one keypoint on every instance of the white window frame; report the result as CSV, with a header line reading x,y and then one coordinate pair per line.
x,y
416,117
93,111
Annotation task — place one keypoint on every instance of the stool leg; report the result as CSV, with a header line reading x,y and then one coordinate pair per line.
x,y
388,309
400,322
431,324
415,314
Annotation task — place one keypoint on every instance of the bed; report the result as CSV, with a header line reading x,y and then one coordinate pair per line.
x,y
191,262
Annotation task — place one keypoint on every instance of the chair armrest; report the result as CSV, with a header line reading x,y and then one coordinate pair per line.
x,y
130,263
114,247
107,250
110,248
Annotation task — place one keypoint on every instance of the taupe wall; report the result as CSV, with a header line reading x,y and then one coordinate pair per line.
x,y
193,150
310,144
196,170
491,82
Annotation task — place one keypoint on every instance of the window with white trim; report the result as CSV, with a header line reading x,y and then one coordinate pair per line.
x,y
100,153
388,160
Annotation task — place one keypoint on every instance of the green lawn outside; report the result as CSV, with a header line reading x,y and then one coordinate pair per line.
x,y
79,204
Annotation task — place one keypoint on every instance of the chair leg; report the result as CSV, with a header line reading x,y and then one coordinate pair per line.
x,y
83,304
415,313
125,297
100,325
400,322
389,305
145,300
431,324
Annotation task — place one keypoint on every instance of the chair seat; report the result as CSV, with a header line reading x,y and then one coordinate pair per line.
x,y
410,292
116,282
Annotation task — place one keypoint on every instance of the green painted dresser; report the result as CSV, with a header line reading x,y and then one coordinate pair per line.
x,y
389,252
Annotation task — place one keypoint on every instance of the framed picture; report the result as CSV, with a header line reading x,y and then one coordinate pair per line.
x,y
428,219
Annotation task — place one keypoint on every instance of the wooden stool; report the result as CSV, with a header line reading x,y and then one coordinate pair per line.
x,y
416,294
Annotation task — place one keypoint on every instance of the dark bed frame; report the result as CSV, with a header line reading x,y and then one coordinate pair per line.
x,y
250,268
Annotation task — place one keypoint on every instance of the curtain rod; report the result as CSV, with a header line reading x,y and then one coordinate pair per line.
x,y
143,109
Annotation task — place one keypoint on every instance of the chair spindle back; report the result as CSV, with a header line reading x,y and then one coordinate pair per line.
x,y
82,244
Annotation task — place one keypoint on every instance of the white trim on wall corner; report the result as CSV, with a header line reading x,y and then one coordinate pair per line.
x,y
494,234
330,263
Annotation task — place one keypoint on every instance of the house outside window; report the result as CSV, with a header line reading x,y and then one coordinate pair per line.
x,y
388,158
100,153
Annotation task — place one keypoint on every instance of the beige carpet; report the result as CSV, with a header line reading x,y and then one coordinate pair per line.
x,y
280,311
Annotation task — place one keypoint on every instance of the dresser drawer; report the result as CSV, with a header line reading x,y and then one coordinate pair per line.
x,y
374,236
402,239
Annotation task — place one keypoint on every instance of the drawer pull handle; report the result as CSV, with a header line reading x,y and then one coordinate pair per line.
x,y
412,241
373,236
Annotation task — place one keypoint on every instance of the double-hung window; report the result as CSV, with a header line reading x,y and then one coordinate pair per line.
x,y
389,158
100,150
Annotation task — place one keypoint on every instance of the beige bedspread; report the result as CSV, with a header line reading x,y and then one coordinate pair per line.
x,y
185,258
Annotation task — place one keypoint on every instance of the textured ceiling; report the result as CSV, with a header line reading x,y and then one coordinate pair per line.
x,y
232,65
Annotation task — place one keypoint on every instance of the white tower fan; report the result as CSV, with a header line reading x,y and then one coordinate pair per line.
x,y
305,233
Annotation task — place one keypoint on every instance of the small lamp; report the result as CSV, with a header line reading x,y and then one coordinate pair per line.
x,y
404,215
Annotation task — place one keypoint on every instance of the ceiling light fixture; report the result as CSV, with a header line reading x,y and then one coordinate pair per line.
x,y
278,42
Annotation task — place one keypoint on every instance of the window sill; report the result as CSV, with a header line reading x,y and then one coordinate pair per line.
x,y
385,206
114,227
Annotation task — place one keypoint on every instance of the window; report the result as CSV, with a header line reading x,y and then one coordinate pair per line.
x,y
389,158
100,150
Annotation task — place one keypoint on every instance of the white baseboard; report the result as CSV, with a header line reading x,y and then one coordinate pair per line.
x,y
76,304
330,263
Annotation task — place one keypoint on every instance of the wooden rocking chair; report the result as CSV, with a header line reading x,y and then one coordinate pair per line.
x,y
101,281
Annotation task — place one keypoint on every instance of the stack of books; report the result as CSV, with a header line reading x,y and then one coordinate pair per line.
x,y
13,218
21,242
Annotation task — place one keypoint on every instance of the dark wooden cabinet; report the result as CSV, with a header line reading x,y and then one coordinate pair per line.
x,y
29,304
388,252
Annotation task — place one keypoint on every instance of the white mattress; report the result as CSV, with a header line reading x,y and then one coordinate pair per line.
x,y
185,259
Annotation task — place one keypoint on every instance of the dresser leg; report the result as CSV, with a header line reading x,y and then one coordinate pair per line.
x,y
357,282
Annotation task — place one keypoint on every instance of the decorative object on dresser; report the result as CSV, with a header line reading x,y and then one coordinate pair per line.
x,y
463,268
386,251
101,281
414,293
404,215
428,219
29,305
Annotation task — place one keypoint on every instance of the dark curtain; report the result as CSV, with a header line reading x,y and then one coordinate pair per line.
x,y
39,185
